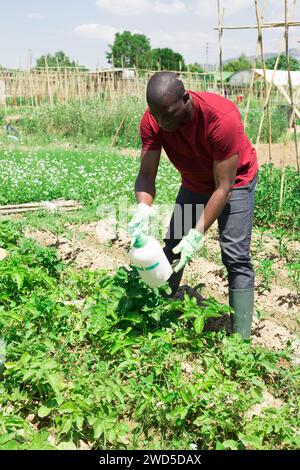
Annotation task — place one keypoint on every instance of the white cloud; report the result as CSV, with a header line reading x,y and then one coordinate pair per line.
x,y
35,16
173,7
123,7
100,31
209,9
276,12
180,41
96,31
139,7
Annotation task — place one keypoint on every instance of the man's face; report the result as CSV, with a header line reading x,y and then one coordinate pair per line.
x,y
171,114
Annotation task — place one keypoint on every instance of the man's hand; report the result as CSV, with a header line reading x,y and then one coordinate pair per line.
x,y
140,220
187,247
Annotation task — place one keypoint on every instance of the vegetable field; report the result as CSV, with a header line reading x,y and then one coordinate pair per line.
x,y
96,360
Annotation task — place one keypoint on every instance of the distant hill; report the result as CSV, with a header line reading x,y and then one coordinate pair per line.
x,y
295,53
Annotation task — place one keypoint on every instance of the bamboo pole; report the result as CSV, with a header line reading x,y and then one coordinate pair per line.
x,y
119,128
292,118
66,86
57,205
23,97
220,24
60,86
265,83
30,91
266,102
137,81
265,25
283,153
74,92
253,73
4,101
34,89
113,74
30,87
290,79
19,75
79,86
48,81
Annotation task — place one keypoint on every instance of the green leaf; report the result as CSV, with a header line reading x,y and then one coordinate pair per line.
x,y
133,317
231,444
29,375
10,365
66,445
219,446
44,411
57,382
67,425
111,436
116,346
18,278
11,445
48,364
199,324
68,407
79,422
25,357
5,438
98,428
251,441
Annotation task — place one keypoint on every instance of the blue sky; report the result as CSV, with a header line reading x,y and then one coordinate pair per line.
x,y
84,28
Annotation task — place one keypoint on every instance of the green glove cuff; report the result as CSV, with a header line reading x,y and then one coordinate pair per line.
x,y
195,238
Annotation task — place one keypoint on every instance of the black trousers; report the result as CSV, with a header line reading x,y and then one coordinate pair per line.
x,y
235,229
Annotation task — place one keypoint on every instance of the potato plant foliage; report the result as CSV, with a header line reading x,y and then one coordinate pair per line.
x,y
102,361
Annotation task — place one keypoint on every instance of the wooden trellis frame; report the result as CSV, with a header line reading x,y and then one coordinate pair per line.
x,y
250,94
261,25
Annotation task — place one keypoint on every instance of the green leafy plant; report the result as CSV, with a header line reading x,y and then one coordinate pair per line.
x,y
105,362
266,270
294,273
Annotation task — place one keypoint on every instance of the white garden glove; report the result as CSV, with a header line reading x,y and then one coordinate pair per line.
x,y
140,220
187,247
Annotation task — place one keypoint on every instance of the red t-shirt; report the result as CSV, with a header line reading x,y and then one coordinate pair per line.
x,y
215,132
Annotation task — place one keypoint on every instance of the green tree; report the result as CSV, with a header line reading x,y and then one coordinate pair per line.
x,y
166,59
129,50
282,64
195,67
242,63
58,60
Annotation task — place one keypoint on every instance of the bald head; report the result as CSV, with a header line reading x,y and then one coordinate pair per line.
x,y
164,87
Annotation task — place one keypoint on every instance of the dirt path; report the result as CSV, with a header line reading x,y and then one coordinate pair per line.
x,y
262,153
277,154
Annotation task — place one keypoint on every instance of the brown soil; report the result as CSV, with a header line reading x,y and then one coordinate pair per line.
x,y
3,254
277,154
84,252
262,153
268,402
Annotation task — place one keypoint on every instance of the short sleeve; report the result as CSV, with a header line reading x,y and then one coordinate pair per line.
x,y
227,136
149,137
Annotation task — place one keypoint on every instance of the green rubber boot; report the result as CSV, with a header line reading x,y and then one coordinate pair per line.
x,y
241,300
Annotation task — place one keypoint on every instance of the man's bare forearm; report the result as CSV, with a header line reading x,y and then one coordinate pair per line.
x,y
145,190
213,209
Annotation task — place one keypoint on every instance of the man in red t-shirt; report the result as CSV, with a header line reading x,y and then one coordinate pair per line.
x,y
203,136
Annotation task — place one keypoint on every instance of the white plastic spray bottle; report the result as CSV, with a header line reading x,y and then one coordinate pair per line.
x,y
148,257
